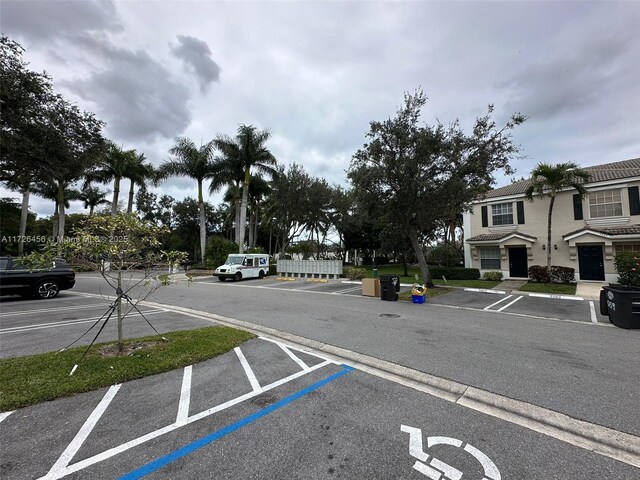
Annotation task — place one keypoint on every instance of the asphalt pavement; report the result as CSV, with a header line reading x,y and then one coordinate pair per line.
x,y
272,411
299,414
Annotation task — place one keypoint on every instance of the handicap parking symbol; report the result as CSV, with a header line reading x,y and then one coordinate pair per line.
x,y
437,469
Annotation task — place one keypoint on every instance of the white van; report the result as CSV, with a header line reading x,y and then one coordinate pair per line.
x,y
243,265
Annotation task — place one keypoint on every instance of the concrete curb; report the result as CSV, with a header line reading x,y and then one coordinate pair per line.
x,y
603,440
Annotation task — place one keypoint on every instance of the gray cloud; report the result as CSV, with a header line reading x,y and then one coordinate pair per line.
x,y
43,20
196,55
134,93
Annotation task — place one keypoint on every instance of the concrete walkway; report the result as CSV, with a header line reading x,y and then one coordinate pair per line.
x,y
590,290
509,285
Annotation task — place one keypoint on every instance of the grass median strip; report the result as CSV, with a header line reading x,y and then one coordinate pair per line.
x,y
553,288
28,380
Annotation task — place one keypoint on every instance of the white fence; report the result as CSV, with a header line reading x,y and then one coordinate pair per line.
x,y
310,268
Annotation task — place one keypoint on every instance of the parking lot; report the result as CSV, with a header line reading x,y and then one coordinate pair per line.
x,y
28,327
268,410
273,410
562,307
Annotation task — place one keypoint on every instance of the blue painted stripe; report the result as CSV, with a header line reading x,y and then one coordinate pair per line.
x,y
187,449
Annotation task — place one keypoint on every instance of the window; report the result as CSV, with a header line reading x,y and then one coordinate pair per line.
x,y
605,203
502,214
490,258
627,248
4,263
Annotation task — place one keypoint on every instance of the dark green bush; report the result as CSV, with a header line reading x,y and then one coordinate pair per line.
x,y
559,274
355,273
539,274
217,250
446,256
455,273
628,267
562,274
273,269
492,276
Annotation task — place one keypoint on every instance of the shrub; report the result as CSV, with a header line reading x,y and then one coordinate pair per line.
x,y
628,267
562,274
539,274
455,273
273,269
217,250
446,256
492,276
355,273
559,274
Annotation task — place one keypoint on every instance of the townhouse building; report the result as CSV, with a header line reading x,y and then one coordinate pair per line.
x,y
505,232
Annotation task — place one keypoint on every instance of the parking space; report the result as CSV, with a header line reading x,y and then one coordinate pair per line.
x,y
559,307
268,410
28,327
322,286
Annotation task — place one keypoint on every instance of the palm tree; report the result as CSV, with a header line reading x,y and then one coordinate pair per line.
x,y
113,167
549,180
138,172
50,191
245,152
93,197
197,163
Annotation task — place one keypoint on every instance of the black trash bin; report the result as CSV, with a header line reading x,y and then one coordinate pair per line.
x,y
389,287
622,305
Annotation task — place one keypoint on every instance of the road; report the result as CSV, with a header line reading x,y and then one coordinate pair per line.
x,y
329,420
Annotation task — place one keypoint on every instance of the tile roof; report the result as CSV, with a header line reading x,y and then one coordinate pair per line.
x,y
599,173
612,231
487,237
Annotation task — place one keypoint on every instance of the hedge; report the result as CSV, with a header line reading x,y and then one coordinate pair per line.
x,y
455,273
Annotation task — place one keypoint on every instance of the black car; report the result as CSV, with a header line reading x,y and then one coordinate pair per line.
x,y
18,279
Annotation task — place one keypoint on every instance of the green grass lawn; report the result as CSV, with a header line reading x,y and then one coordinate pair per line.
x,y
554,288
431,292
37,378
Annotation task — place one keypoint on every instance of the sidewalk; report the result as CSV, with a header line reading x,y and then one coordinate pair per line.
x,y
590,290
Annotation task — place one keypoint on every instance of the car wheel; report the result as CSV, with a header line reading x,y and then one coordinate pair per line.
x,y
237,277
261,274
47,289
222,279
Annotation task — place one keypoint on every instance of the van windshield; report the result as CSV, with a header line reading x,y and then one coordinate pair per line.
x,y
234,260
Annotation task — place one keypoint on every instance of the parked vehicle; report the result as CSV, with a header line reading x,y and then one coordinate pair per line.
x,y
17,279
243,265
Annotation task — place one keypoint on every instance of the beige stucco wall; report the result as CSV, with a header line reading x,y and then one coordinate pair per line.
x,y
535,225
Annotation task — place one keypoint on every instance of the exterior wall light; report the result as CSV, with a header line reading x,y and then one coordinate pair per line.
x,y
555,246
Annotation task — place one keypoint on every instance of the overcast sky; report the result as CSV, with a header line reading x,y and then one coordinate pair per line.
x,y
316,73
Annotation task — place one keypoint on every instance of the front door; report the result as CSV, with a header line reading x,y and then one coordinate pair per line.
x,y
518,262
590,262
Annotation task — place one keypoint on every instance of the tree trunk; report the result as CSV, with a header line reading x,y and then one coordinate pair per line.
x,y
91,207
422,261
61,219
116,194
24,215
130,203
237,221
119,310
405,266
252,219
551,202
203,227
243,211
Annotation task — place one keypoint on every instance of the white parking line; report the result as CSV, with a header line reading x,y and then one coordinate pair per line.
x,y
592,308
293,356
560,297
509,304
87,462
185,396
61,464
255,385
4,415
496,303
27,328
38,310
346,290
484,290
